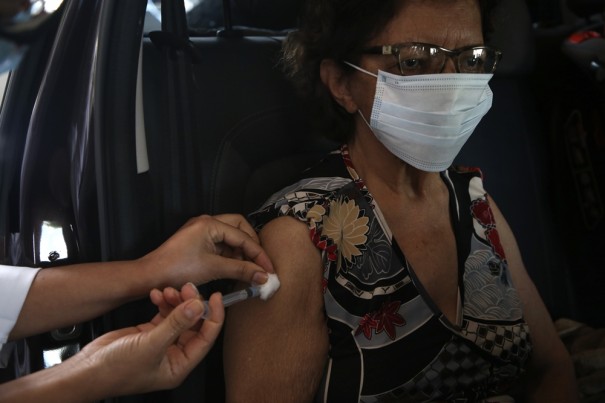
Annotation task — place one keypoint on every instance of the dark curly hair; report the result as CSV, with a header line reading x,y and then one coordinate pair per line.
x,y
339,29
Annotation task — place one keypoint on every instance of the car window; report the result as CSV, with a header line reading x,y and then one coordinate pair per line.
x,y
3,82
48,6
37,7
205,17
153,16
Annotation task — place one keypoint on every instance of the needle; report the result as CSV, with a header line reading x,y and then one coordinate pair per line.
x,y
234,297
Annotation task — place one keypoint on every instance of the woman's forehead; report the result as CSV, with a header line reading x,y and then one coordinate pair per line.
x,y
449,23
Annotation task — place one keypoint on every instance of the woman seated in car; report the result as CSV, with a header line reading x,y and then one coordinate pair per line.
x,y
401,279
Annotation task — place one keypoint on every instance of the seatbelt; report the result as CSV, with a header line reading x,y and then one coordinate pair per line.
x,y
180,175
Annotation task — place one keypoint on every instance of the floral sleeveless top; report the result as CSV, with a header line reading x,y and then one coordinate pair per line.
x,y
388,340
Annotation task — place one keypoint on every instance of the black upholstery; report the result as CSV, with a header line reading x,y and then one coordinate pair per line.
x,y
586,8
251,140
242,101
513,35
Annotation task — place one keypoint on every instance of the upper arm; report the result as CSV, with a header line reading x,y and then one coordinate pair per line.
x,y
281,342
549,353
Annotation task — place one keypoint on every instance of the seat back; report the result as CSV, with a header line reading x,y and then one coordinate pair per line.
x,y
248,118
244,135
241,122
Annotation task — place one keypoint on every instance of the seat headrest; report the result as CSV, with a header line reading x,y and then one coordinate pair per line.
x,y
513,35
586,8
268,14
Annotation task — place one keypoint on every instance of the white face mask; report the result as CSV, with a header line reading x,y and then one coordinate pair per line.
x,y
425,120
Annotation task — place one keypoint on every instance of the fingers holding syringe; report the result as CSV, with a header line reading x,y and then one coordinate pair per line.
x,y
198,345
169,298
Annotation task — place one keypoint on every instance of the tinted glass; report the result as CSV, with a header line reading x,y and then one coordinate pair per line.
x,y
207,15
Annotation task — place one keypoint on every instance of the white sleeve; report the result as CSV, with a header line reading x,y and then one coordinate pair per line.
x,y
14,286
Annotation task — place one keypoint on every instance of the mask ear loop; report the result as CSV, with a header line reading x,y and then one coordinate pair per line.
x,y
364,120
370,74
360,69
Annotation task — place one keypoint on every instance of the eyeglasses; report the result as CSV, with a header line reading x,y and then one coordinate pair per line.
x,y
422,58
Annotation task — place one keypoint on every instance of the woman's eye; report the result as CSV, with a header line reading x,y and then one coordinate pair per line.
x,y
414,66
410,63
472,63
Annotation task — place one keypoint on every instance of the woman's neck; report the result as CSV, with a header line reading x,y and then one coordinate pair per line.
x,y
380,169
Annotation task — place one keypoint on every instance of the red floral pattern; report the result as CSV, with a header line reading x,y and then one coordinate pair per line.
x,y
485,217
323,243
384,320
366,325
463,168
482,213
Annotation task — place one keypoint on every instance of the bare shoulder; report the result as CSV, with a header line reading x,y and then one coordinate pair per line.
x,y
285,227
288,243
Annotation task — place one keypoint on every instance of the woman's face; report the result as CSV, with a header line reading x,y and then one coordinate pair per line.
x,y
446,23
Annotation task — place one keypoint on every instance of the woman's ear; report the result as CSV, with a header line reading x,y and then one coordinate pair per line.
x,y
337,82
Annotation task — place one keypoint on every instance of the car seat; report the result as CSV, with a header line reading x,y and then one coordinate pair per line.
x,y
209,102
216,116
572,96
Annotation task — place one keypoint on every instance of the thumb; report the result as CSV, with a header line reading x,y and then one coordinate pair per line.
x,y
182,318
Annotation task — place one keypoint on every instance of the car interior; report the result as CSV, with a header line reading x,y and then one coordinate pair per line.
x,y
129,117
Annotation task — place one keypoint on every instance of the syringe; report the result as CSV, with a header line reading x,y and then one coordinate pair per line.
x,y
234,297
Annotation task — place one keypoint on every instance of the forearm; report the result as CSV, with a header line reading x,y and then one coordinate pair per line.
x,y
553,384
69,382
67,295
550,376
